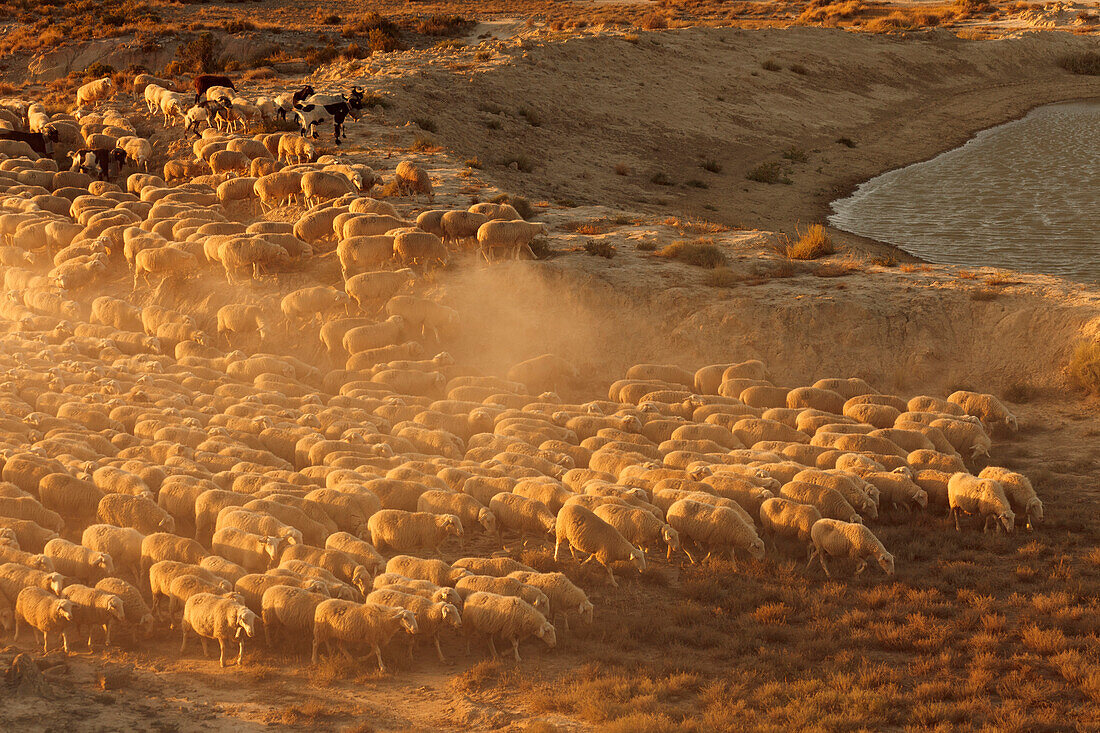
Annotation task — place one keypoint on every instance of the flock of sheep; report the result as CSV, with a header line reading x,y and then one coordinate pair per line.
x,y
152,479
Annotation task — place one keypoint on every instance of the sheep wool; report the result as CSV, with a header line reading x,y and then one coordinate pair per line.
x,y
844,539
581,529
212,617
46,614
714,527
507,617
348,623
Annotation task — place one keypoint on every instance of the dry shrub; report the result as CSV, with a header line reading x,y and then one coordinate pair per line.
x,y
590,228
519,203
829,13
812,243
1084,366
600,248
771,172
703,253
655,21
622,169
1082,63
439,24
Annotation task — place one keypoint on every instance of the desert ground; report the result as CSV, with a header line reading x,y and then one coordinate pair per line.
x,y
679,156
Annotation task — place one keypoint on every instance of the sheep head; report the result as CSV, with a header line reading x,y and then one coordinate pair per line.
x,y
1034,510
449,613
756,548
671,538
116,608
271,546
1007,520
920,498
56,582
7,619
41,562
63,609
407,620
886,562
104,562
487,520
547,633
638,558
245,622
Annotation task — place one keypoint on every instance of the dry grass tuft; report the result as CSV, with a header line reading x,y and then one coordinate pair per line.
x,y
1084,366
771,173
812,243
701,253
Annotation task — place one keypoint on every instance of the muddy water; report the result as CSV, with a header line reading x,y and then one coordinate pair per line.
x,y
1024,195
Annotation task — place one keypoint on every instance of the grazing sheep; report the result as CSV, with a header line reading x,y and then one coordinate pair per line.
x,y
434,571
413,247
496,566
1021,494
122,544
166,546
986,407
920,460
307,304
135,613
830,502
11,554
431,616
495,212
508,617
79,562
513,237
347,623
521,515
404,531
639,526
93,607
339,564
411,179
318,186
230,161
45,613
968,494
789,519
27,512
470,512
504,586
139,512
169,262
845,539
257,523
582,530
241,319
228,571
358,550
288,611
456,226
212,617
714,527
968,438
566,598
251,551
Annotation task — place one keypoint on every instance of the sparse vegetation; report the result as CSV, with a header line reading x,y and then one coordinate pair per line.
x,y
846,142
1082,63
795,155
519,203
701,253
426,124
660,178
655,21
771,65
600,248
518,161
812,243
444,25
711,165
771,173
473,162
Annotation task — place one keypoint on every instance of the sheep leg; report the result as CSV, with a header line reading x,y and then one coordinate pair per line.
x,y
378,653
183,644
240,651
821,557
205,646
610,575
65,641
955,515
313,656
45,640
515,649
557,549
493,647
438,650
689,555
813,555
221,656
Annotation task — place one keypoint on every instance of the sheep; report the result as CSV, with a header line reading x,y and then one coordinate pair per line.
x,y
789,519
896,488
346,622
830,502
844,539
12,554
422,588
46,614
521,515
251,551
139,151
339,564
582,530
459,225
470,511
112,480
139,512
160,546
230,161
504,586
968,494
639,526
508,617
403,531
289,611
987,408
310,303
496,566
318,186
356,549
169,262
122,544
257,523
512,236
412,247
968,438
1021,494
411,179
714,527
930,459
231,572
430,615
92,607
78,562
135,613
495,212
27,509
423,315
435,571
94,92
30,536
294,146
212,617
242,319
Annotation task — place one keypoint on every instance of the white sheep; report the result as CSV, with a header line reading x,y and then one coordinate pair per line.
x,y
403,530
508,617
1021,494
347,623
288,611
714,527
968,494
213,617
79,562
582,530
45,613
513,237
94,92
318,186
431,616
639,526
986,407
252,552
835,538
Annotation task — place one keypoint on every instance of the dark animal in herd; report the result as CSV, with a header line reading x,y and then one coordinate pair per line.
x,y
318,109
